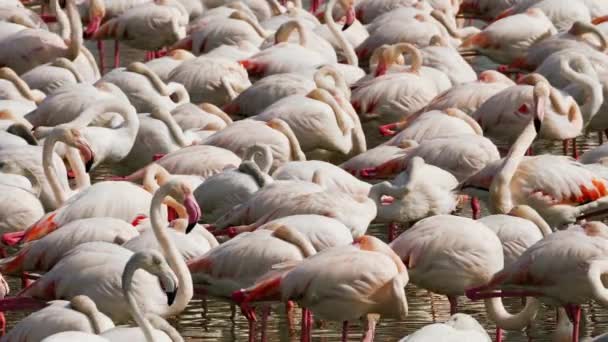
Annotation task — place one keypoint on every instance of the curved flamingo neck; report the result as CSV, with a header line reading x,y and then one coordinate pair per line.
x,y
505,320
75,27
500,191
591,87
283,33
172,254
296,238
24,90
69,66
127,279
341,118
50,171
144,70
294,145
177,133
349,51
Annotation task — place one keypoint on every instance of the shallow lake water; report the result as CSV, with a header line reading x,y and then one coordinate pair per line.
x,y
215,324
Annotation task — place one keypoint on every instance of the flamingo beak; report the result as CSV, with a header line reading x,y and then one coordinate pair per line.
x,y
171,296
92,27
87,155
350,18
194,212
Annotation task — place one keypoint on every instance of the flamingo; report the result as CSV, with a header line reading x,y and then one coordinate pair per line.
x,y
317,121
48,45
204,117
267,91
151,327
503,44
160,134
561,13
13,87
197,160
34,163
536,272
87,202
449,247
275,133
43,254
145,90
284,56
218,31
574,38
560,198
374,264
368,10
109,261
274,201
213,80
164,65
511,109
48,78
107,144
166,20
459,327
433,124
78,314
377,156
241,183
461,155
19,208
517,231
66,104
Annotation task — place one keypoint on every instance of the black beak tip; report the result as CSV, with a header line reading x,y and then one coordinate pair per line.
x,y
345,27
88,165
171,297
537,125
190,227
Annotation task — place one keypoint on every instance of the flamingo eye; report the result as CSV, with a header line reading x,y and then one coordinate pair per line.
x,y
523,109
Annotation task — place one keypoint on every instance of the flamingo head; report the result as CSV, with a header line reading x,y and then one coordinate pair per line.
x,y
153,262
182,192
541,94
350,14
73,137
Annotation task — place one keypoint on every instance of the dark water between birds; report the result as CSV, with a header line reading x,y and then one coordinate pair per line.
x,y
424,309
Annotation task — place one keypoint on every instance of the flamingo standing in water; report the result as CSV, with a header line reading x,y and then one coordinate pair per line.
x,y
150,326
322,291
108,261
569,193
573,259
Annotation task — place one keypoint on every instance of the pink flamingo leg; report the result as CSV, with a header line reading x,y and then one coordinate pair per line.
x,y
392,231
498,334
251,330
290,319
453,304
371,329
265,314
574,313
116,54
475,207
304,330
345,331
2,323
100,50
309,322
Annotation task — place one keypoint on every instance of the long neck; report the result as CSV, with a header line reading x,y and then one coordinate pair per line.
x,y
296,238
156,82
534,217
68,65
180,92
62,20
76,41
87,307
49,170
25,91
349,51
341,118
176,131
594,275
500,191
174,258
591,88
138,316
282,35
82,178
122,137
505,320
160,324
294,144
